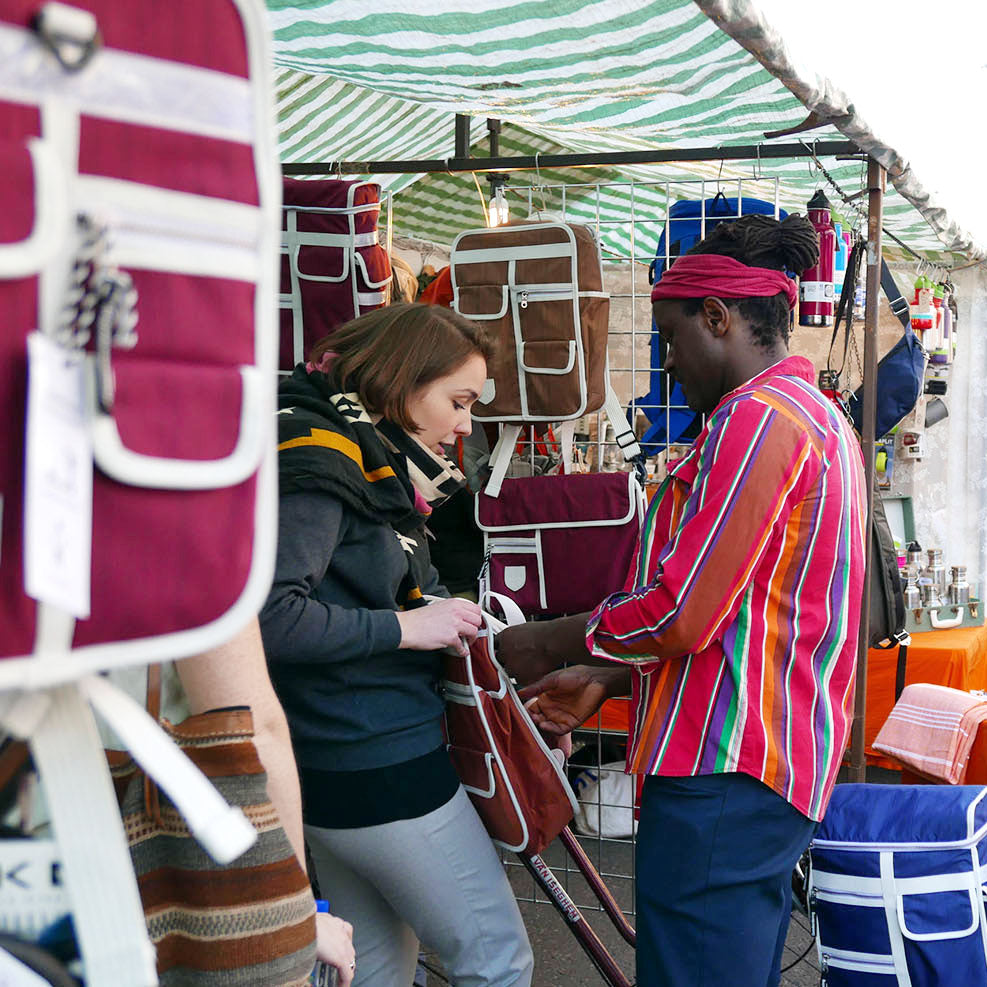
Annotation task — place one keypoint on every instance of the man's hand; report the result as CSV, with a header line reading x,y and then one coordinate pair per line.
x,y
529,651
334,946
565,699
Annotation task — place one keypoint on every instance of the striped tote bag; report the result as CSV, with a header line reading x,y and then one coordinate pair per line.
x,y
248,922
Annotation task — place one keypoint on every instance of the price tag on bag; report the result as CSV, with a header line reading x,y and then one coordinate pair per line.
x,y
58,487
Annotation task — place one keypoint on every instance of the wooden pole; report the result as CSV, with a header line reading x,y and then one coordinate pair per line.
x,y
875,218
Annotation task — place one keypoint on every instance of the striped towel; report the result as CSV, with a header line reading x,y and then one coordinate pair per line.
x,y
931,730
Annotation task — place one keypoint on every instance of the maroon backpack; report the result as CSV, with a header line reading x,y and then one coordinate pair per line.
x,y
333,267
158,307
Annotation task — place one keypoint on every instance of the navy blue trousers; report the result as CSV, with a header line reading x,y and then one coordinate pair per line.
x,y
715,856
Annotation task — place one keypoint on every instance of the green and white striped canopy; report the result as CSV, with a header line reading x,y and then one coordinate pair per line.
x,y
362,80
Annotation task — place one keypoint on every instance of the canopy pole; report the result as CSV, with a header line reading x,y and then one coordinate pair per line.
x,y
875,216
462,138
463,163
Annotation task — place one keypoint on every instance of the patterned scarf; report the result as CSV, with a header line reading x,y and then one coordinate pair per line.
x,y
327,442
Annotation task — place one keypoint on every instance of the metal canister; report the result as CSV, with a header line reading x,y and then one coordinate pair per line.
x,y
929,593
913,598
959,589
936,571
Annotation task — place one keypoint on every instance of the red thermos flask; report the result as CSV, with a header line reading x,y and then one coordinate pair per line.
x,y
816,284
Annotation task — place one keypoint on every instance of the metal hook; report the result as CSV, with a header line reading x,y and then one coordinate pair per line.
x,y
757,164
719,175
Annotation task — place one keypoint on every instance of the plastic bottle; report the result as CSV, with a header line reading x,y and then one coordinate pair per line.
x,y
839,258
938,344
816,283
951,305
923,317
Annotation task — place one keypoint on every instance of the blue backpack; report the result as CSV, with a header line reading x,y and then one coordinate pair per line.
x,y
671,419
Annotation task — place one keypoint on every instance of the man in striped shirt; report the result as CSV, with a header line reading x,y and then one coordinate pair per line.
x,y
736,629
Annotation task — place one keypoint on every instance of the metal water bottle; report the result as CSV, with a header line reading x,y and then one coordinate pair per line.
x,y
913,598
936,571
816,283
959,589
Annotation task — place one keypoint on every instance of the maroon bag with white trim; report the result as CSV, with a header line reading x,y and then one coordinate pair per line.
x,y
333,267
158,130
516,782
560,544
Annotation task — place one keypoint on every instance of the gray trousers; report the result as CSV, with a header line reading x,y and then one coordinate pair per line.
x,y
436,879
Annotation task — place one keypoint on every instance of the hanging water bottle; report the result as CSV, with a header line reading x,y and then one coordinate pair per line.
x,y
816,282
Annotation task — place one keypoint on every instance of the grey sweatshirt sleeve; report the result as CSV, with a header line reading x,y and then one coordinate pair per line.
x,y
296,626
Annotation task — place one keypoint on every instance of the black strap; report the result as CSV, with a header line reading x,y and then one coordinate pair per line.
x,y
898,304
899,678
844,310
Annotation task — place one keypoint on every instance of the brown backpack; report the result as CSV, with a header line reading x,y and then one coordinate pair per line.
x,y
538,287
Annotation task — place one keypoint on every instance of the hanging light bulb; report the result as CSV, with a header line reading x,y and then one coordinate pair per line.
x,y
497,213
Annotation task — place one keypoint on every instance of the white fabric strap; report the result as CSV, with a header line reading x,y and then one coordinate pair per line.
x,y
500,458
567,433
512,612
99,878
623,433
890,895
223,830
494,255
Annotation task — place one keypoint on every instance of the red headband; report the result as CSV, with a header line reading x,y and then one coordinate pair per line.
x,y
705,275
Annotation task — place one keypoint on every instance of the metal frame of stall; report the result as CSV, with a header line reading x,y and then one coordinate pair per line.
x,y
462,162
554,892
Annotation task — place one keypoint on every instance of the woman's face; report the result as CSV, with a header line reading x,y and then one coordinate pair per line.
x,y
441,410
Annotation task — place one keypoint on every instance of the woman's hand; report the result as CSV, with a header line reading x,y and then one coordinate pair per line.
x,y
334,946
442,624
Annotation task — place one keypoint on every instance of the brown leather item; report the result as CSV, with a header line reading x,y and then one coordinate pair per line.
x,y
517,785
538,289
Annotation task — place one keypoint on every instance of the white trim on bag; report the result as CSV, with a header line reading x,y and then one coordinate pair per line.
x,y
891,910
51,216
634,505
156,92
873,886
569,249
974,895
520,546
164,473
480,316
567,369
848,959
973,837
494,255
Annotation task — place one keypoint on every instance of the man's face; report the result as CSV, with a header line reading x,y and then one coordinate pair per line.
x,y
694,356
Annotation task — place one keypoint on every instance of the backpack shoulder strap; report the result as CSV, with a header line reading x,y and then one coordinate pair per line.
x,y
898,303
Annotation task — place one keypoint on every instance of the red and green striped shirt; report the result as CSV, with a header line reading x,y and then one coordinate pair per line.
x,y
740,613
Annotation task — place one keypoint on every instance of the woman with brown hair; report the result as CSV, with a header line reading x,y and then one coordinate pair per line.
x,y
355,653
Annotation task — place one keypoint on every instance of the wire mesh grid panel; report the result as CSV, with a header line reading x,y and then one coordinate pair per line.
x,y
639,235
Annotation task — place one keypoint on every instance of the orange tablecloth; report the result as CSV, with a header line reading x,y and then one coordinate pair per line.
x,y
955,658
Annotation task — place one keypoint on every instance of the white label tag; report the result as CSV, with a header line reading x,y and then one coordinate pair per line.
x,y
816,291
58,479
